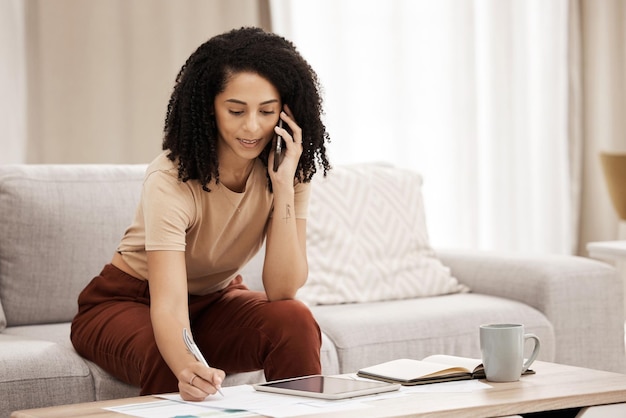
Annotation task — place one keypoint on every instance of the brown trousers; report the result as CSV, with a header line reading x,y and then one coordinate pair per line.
x,y
236,329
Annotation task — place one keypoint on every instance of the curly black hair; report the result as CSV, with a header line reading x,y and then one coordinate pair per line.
x,y
190,134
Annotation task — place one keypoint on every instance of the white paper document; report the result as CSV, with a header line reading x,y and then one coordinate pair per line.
x,y
274,405
244,401
168,409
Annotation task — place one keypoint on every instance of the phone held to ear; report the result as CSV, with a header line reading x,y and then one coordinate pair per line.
x,y
279,147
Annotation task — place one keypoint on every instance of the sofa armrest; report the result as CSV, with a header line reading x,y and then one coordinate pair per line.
x,y
582,298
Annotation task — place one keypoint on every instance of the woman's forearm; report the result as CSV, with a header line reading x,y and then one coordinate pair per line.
x,y
285,269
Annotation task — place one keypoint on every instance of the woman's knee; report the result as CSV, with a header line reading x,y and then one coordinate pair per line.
x,y
296,319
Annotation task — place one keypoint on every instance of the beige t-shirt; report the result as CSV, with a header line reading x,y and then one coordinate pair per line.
x,y
219,231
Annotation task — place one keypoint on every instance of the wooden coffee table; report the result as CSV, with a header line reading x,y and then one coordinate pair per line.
x,y
554,387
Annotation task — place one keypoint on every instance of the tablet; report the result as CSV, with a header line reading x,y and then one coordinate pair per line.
x,y
325,387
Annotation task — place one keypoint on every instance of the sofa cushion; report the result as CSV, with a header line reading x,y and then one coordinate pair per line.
x,y
371,333
59,225
108,387
38,373
367,238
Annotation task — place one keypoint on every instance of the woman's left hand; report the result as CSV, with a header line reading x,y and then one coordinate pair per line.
x,y
290,156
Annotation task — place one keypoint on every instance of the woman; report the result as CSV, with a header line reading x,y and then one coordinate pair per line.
x,y
208,202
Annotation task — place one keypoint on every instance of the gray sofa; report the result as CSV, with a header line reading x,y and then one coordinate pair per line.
x,y
59,224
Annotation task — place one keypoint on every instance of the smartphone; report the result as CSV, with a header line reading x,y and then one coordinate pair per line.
x,y
279,147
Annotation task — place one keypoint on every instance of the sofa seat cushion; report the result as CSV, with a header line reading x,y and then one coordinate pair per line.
x,y
102,385
37,373
107,387
371,333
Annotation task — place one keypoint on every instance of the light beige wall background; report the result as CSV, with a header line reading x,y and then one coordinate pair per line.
x,y
603,29
100,72
12,82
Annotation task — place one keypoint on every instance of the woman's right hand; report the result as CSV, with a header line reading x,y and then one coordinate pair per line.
x,y
197,381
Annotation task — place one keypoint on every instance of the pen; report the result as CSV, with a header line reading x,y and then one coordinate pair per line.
x,y
193,348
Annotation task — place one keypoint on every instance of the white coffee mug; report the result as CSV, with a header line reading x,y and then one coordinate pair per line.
x,y
502,347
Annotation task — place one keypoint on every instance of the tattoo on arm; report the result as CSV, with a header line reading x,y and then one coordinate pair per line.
x,y
287,212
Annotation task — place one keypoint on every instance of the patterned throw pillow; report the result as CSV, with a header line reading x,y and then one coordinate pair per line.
x,y
367,239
